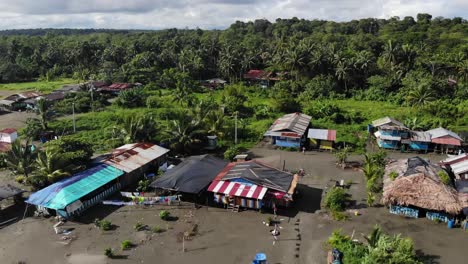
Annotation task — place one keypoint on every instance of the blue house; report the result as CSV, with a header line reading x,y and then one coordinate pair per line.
x,y
390,132
419,141
289,130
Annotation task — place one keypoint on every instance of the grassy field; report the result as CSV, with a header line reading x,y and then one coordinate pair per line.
x,y
42,86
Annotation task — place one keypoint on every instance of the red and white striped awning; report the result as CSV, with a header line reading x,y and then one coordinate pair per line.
x,y
238,189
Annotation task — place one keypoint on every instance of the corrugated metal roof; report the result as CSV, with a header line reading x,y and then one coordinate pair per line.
x,y
460,167
67,191
322,134
8,130
441,132
238,189
387,121
295,122
133,156
447,140
420,136
455,159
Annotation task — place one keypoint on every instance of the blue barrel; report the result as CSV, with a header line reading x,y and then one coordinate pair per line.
x,y
451,223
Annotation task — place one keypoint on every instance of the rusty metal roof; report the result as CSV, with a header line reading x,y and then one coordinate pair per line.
x,y
294,122
133,156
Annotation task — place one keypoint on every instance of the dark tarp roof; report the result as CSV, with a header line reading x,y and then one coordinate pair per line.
x,y
8,191
192,175
260,174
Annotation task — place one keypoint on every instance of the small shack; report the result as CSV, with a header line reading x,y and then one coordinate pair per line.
x,y
8,135
418,141
136,159
322,138
413,187
444,140
18,101
71,196
252,184
192,176
389,132
289,130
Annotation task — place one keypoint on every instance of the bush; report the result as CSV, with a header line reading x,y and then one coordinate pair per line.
x,y
157,229
143,185
131,98
152,101
109,252
393,175
126,244
231,152
20,179
335,199
103,224
444,177
139,226
164,215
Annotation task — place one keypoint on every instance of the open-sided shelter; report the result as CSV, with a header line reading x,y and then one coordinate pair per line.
x,y
192,175
416,182
289,130
252,184
322,138
136,159
73,195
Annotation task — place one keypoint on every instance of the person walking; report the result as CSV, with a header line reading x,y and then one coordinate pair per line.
x,y
275,232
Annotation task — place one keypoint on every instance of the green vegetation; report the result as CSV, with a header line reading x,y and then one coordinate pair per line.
x,y
335,200
103,224
126,244
373,169
157,229
444,177
40,85
139,226
109,252
164,215
393,175
380,248
342,156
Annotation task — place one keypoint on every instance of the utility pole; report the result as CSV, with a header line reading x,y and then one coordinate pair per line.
x,y
92,99
73,112
235,132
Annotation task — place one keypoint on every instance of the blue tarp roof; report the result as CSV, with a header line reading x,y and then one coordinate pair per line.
x,y
67,191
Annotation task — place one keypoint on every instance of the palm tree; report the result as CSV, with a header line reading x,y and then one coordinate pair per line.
x,y
134,129
183,132
342,72
342,156
420,95
374,237
20,159
215,123
52,166
413,123
42,111
294,59
390,53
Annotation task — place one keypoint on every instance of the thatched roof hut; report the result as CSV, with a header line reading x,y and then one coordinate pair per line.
x,y
416,182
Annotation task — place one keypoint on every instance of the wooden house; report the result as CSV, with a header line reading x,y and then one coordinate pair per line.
x,y
289,130
444,140
322,138
389,132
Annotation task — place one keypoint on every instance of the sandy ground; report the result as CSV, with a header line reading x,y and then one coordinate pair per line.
x,y
228,237
14,119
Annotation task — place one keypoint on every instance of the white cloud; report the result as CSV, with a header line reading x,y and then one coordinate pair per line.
x,y
156,14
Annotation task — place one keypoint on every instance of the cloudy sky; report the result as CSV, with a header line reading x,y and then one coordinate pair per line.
x,y
157,14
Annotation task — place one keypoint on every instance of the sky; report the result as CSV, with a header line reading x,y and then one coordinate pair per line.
x,y
206,14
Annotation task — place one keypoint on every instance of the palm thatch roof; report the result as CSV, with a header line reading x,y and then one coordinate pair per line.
x,y
417,183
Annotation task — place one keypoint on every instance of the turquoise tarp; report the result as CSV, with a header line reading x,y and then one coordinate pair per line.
x,y
67,191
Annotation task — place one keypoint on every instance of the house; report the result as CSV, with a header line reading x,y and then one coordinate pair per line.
x,y
214,83
252,184
389,132
8,135
413,187
264,78
18,101
116,88
418,141
444,140
192,176
135,160
69,88
322,138
289,130
71,196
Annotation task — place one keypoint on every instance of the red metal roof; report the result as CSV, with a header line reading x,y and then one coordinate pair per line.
x,y
331,135
447,140
254,74
8,130
238,189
